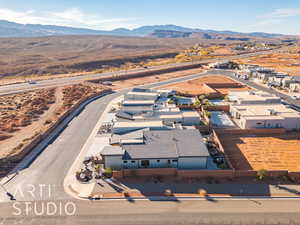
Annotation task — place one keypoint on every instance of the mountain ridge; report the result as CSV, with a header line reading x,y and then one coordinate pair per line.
x,y
12,29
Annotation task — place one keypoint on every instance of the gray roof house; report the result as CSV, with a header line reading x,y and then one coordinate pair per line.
x,y
182,149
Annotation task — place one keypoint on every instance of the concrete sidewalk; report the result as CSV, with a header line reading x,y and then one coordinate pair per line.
x,y
114,189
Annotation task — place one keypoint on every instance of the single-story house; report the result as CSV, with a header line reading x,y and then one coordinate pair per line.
x,y
182,149
124,127
265,116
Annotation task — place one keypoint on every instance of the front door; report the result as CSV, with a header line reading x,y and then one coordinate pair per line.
x,y
145,163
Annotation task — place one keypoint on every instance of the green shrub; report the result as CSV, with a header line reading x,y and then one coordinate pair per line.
x,y
262,174
108,172
171,101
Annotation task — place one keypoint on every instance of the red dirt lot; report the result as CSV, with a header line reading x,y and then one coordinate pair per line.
x,y
208,85
261,151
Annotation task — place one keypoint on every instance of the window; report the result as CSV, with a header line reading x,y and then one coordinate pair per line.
x,y
133,161
174,160
169,161
125,161
158,160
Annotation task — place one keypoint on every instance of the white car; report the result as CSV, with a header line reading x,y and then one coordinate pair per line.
x,y
295,97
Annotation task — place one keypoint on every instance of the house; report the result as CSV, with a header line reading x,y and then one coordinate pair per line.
x,y
157,110
124,127
133,110
139,95
288,81
262,73
265,116
184,100
160,149
294,87
252,97
277,79
147,94
190,118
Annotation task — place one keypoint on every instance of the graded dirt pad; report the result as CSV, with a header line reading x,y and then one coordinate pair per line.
x,y
155,78
207,85
257,151
288,62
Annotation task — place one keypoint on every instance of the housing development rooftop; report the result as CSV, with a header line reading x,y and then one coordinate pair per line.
x,y
254,97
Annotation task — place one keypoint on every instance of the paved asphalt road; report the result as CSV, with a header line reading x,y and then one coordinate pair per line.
x,y
216,211
16,88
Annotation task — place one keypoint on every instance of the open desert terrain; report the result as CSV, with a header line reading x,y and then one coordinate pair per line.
x,y
71,54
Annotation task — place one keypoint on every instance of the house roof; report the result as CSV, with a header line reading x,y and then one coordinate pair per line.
x,y
137,108
134,135
137,124
124,115
168,144
138,102
112,150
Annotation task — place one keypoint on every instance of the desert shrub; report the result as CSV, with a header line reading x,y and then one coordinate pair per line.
x,y
262,174
108,172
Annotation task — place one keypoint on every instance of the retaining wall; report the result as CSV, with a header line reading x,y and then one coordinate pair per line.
x,y
228,173
251,131
146,73
224,108
225,85
205,173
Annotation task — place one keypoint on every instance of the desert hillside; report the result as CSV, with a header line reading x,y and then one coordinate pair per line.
x,y
64,54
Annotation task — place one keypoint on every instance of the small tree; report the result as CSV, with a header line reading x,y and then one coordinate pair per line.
x,y
108,172
171,101
201,97
197,103
208,114
262,174
226,98
205,101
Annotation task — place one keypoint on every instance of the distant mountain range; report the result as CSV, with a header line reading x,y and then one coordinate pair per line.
x,y
11,29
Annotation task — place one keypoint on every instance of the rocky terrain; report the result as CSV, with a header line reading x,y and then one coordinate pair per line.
x,y
25,117
21,110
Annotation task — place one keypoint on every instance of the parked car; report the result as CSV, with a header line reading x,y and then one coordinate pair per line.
x,y
31,82
295,97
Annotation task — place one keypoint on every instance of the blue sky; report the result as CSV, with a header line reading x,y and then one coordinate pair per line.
x,y
273,16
